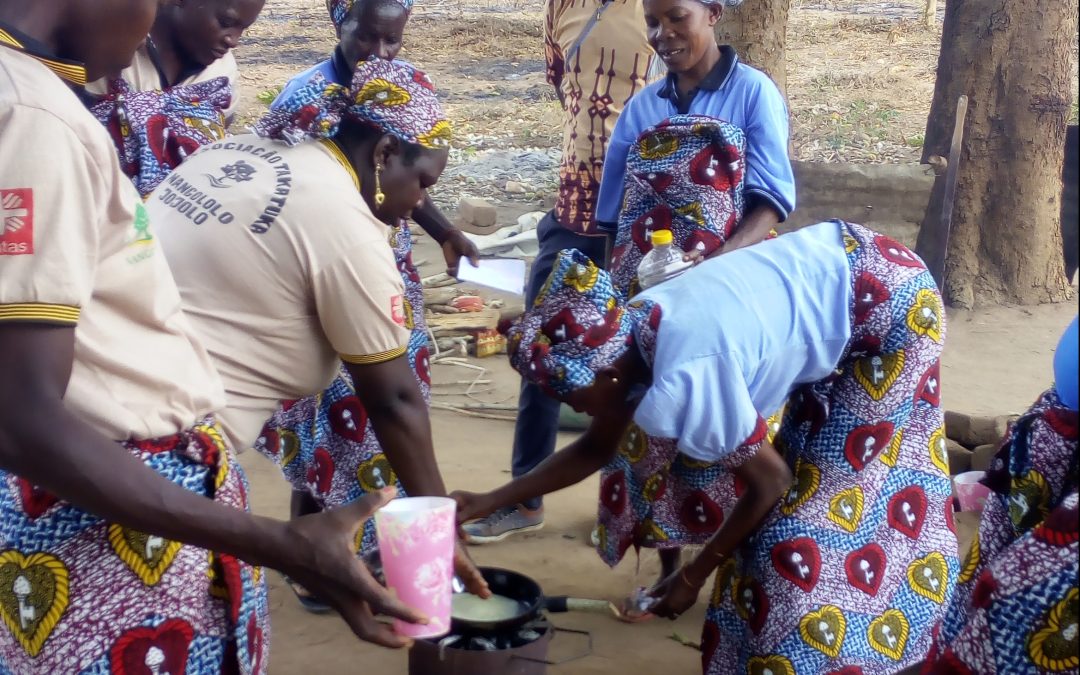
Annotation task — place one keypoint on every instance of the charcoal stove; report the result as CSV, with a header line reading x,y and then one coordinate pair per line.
x,y
521,651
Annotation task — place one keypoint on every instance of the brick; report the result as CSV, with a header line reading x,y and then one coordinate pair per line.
x,y
959,457
971,431
477,216
983,456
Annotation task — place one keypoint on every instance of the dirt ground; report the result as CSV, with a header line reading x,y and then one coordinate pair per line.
x,y
860,78
996,361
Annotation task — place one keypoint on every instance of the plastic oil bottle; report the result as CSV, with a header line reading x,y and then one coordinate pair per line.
x,y
663,262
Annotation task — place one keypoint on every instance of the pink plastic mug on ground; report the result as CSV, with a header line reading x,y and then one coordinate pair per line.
x,y
416,544
969,491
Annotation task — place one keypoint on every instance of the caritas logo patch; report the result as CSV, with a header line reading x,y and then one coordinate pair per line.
x,y
16,221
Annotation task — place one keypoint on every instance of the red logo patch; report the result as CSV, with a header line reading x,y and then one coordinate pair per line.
x,y
16,221
397,310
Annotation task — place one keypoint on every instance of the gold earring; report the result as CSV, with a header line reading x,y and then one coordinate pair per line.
x,y
379,196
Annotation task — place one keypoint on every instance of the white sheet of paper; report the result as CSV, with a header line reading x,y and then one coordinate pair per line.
x,y
504,274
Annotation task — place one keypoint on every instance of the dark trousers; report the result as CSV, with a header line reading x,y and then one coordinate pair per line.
x,y
538,414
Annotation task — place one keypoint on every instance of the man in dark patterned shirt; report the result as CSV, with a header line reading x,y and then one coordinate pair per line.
x,y
597,58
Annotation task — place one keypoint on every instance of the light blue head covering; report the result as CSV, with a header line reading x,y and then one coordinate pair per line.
x,y
1065,367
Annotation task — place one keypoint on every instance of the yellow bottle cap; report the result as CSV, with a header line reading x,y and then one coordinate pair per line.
x,y
661,238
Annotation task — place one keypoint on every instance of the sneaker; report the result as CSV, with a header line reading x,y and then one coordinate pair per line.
x,y
503,523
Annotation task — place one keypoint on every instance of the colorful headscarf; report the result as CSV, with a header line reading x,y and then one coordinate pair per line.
x,y
578,325
684,175
339,9
155,130
391,96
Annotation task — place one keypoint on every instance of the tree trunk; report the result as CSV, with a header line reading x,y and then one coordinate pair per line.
x,y
930,13
1014,61
757,29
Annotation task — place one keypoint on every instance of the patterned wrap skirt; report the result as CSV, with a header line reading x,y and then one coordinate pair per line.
x,y
324,444
81,595
1017,606
854,567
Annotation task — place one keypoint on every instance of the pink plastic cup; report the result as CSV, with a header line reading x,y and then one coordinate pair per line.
x,y
416,544
969,491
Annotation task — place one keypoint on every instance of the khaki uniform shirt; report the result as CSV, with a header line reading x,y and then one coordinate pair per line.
x,y
283,270
77,248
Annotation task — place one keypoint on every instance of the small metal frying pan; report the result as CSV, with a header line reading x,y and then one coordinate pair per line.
x,y
531,602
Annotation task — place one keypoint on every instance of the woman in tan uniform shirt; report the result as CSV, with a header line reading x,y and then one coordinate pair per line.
x,y
180,91
115,481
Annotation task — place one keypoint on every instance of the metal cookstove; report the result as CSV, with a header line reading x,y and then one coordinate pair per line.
x,y
520,651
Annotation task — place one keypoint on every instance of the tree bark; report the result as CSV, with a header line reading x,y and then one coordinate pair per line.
x,y
1014,61
757,29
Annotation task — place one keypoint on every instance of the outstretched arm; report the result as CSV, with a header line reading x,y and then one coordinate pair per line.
x,y
766,477
569,466
42,441
455,245
399,417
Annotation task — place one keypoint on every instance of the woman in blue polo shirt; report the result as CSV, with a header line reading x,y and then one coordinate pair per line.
x,y
838,554
707,79
702,152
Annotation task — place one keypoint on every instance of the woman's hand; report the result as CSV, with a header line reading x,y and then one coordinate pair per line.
x,y
457,246
466,570
696,257
675,595
319,553
471,505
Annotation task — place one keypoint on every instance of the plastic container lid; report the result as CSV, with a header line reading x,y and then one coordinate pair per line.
x,y
661,238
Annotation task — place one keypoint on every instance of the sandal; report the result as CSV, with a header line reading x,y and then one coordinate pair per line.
x,y
308,601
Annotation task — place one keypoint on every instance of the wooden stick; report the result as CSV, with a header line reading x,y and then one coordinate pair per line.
x,y
489,406
438,405
951,177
